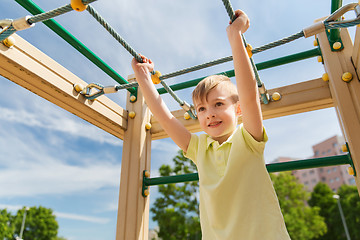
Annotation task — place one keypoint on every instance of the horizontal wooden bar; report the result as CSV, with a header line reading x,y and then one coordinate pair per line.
x,y
28,67
297,98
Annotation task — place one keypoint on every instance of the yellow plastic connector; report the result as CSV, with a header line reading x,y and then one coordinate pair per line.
x,y
351,171
132,114
78,87
347,77
148,126
249,50
186,116
133,99
78,5
315,43
156,77
276,96
344,148
325,77
147,174
319,59
146,192
337,45
9,42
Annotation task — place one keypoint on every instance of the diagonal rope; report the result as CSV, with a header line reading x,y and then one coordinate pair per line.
x,y
137,56
263,94
113,33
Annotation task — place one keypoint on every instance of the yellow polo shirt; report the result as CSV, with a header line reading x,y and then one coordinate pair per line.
x,y
237,198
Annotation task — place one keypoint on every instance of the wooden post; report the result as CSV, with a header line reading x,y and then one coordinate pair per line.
x,y
133,211
346,95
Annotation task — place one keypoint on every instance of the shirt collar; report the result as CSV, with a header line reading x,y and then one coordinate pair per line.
x,y
210,141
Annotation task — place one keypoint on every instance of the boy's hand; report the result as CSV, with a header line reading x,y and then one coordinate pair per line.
x,y
146,66
240,25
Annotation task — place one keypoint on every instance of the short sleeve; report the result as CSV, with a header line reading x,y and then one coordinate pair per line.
x,y
253,144
193,147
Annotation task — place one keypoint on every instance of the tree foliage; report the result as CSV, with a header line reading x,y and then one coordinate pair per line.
x,y
40,224
176,211
322,197
302,221
6,229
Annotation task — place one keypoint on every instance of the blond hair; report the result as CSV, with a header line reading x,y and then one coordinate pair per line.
x,y
203,88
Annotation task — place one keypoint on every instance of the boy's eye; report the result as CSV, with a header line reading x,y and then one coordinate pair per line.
x,y
200,109
218,104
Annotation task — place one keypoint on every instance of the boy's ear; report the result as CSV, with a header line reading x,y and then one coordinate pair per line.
x,y
238,109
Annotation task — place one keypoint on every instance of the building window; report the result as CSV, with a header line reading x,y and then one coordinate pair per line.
x,y
312,171
334,169
329,171
321,170
316,153
337,179
334,145
352,181
313,181
306,183
329,150
304,174
323,179
331,180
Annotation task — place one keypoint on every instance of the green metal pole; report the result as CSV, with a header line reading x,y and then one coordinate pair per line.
x,y
272,167
335,33
260,66
68,37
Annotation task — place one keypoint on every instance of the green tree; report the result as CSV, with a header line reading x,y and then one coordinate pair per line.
x,y
350,203
40,223
6,229
176,211
302,221
322,196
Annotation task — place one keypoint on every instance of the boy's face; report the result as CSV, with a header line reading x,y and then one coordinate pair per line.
x,y
218,114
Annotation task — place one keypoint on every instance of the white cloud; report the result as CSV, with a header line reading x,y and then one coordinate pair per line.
x,y
56,120
82,218
30,166
53,177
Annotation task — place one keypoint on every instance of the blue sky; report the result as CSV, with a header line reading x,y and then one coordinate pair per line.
x,y
52,158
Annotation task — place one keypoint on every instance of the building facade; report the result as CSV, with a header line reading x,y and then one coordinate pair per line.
x,y
333,176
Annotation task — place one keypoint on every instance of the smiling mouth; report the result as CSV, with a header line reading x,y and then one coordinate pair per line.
x,y
214,124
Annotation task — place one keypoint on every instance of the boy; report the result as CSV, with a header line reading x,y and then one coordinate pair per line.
x,y
237,199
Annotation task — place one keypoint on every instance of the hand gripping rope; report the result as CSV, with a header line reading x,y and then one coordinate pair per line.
x,y
330,23
10,26
156,75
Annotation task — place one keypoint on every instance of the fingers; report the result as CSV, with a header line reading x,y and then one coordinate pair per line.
x,y
237,13
145,59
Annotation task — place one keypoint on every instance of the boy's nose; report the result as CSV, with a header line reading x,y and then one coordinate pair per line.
x,y
211,115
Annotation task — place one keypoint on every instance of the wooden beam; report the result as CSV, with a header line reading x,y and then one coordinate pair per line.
x,y
296,98
133,210
346,95
28,67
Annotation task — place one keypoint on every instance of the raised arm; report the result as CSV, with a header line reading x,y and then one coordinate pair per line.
x,y
245,78
176,131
